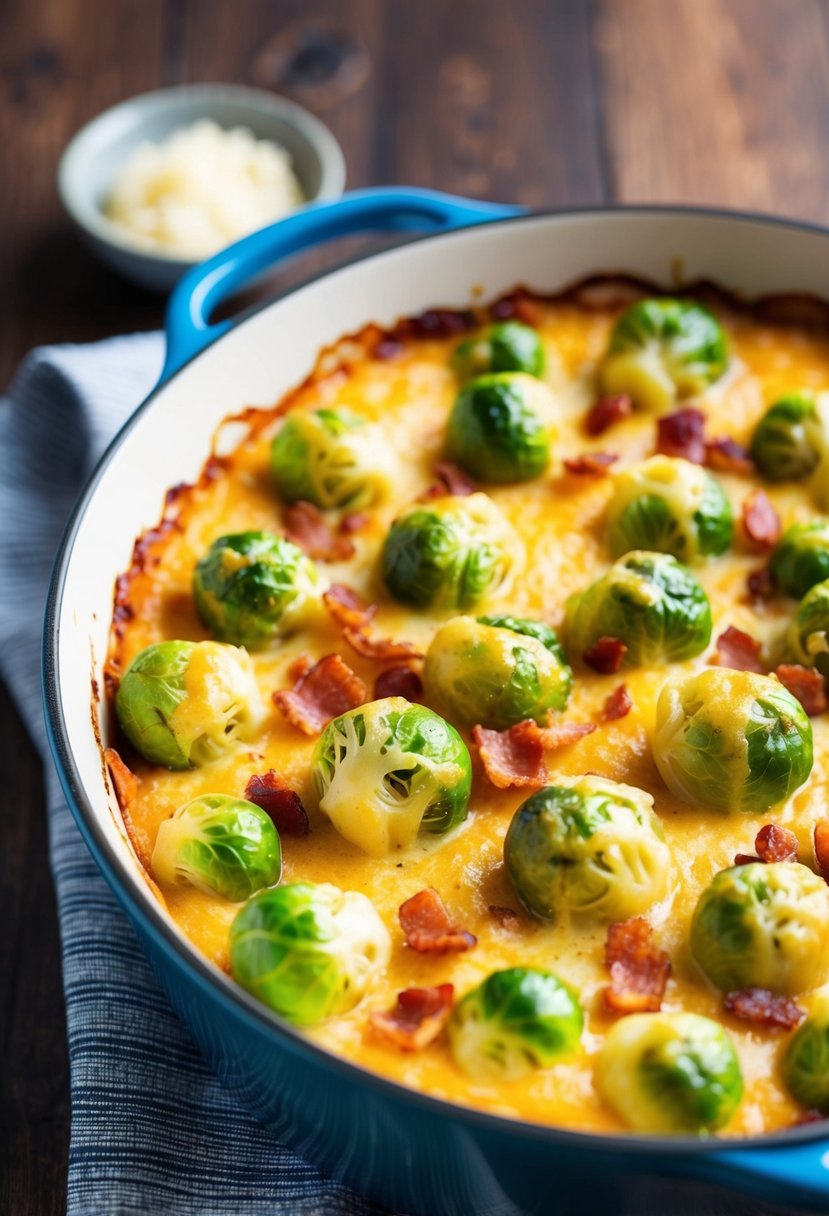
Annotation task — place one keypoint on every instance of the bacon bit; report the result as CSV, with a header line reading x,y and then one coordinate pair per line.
x,y
347,607
388,347
123,778
515,757
737,650
427,926
300,666
398,682
682,434
760,584
606,412
440,323
329,688
450,480
727,456
270,793
760,520
386,650
518,304
356,521
639,970
745,859
590,464
305,526
775,844
508,918
417,1019
618,704
606,655
821,839
806,684
764,1008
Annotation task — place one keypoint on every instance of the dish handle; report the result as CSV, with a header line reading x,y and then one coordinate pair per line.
x,y
384,209
795,1173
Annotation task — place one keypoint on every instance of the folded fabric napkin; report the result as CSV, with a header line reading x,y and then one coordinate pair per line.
x,y
153,1132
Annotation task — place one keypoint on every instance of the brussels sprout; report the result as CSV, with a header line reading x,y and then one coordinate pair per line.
x,y
497,670
670,1072
655,605
506,347
333,458
809,632
669,506
587,845
219,843
308,950
514,1021
497,429
806,1061
449,554
252,587
663,349
387,770
763,925
788,440
182,704
731,740
801,558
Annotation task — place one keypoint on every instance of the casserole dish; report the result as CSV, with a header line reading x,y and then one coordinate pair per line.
x,y
405,1149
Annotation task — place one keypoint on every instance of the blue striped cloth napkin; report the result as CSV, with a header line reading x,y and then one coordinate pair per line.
x,y
153,1132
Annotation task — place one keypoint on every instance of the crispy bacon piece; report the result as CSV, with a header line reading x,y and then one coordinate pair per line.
x,y
123,778
682,434
806,684
745,859
515,757
727,456
398,682
417,1019
518,304
774,843
440,323
284,805
386,650
300,666
761,522
305,526
760,584
764,1008
388,347
590,464
737,650
450,480
821,839
353,615
606,655
329,688
428,927
355,521
639,970
618,704
508,918
606,412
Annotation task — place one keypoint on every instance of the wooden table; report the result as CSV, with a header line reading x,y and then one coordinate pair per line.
x,y
554,103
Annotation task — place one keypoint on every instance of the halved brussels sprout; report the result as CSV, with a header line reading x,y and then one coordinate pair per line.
x,y
182,704
655,605
513,1022
670,1072
308,950
809,632
731,740
588,845
788,439
497,670
251,587
333,458
388,770
801,557
763,925
806,1060
669,506
499,428
508,346
449,554
219,843
664,349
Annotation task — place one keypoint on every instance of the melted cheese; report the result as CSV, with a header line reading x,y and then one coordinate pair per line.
x,y
561,525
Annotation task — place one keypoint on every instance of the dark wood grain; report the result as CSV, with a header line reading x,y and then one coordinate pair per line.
x,y
549,103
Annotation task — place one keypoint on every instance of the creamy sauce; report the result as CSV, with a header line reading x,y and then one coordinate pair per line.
x,y
559,518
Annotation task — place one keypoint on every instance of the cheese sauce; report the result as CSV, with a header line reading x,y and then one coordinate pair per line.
x,y
559,518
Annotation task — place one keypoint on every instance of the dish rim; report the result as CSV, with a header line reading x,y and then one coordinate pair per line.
x,y
182,952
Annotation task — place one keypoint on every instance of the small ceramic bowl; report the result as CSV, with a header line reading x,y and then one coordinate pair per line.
x,y
94,156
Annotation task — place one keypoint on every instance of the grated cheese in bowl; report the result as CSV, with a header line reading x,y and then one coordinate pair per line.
x,y
201,189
